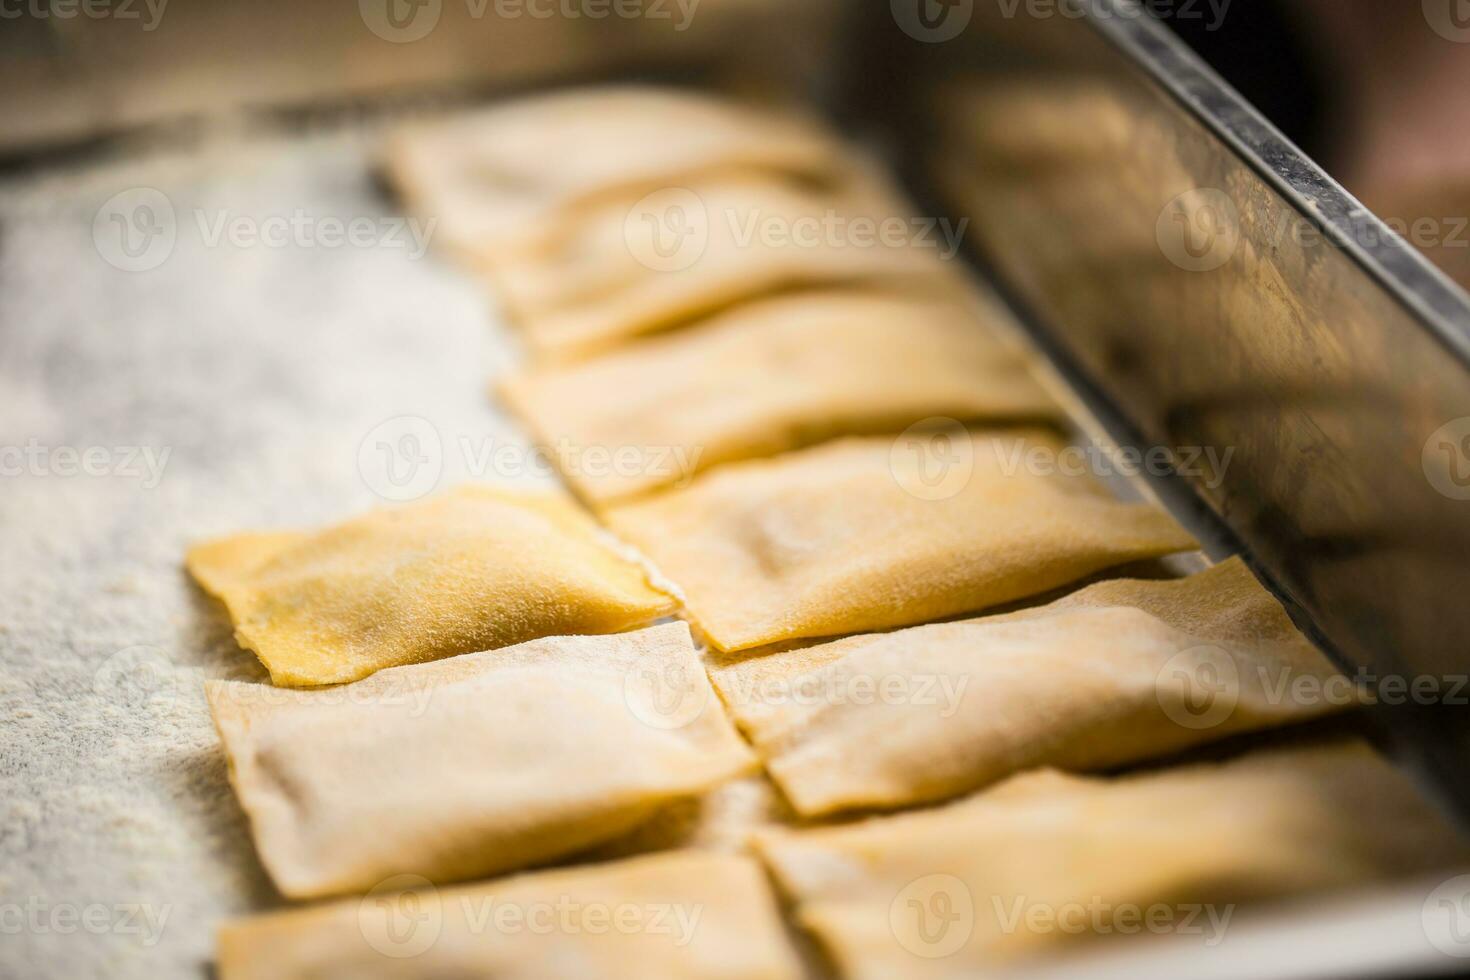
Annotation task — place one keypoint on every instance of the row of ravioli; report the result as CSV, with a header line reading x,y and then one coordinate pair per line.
x,y
488,681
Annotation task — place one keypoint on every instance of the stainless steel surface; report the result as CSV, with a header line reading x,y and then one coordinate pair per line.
x,y
1212,288
70,75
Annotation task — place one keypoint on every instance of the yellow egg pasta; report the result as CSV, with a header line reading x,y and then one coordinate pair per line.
x,y
488,178
474,765
686,915
1121,671
632,266
471,569
1046,859
871,533
769,376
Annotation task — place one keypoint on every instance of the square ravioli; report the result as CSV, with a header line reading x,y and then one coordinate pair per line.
x,y
474,765
1046,860
629,266
931,712
682,916
489,177
772,375
872,533
470,569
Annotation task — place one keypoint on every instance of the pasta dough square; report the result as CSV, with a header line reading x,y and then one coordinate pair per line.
x,y
471,569
630,266
1119,672
871,533
474,765
956,891
487,178
682,916
770,376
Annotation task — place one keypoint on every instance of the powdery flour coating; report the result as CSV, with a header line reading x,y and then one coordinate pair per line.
x,y
769,376
471,569
474,765
848,537
1098,679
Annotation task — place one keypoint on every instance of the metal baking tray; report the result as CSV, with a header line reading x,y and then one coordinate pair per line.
x,y
1323,365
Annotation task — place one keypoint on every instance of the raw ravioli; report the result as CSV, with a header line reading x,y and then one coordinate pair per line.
x,y
1118,672
1046,858
471,569
488,178
631,266
474,765
769,376
871,533
687,915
